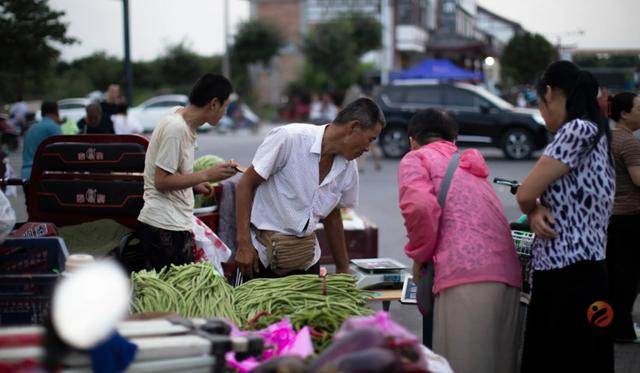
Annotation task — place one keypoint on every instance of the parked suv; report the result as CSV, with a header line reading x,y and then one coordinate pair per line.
x,y
484,118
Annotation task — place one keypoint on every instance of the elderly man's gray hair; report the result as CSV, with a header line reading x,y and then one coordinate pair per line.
x,y
364,110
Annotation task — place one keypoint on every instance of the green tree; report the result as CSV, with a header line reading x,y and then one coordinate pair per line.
x,y
526,56
100,69
333,50
180,65
255,42
28,31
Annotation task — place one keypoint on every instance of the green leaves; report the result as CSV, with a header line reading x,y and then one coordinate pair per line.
x,y
526,56
333,50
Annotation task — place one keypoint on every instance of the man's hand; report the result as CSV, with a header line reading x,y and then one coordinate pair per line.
x,y
416,271
205,189
542,222
221,172
247,260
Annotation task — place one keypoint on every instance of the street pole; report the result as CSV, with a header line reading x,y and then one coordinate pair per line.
x,y
226,66
127,55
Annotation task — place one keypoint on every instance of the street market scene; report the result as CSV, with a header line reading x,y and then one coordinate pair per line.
x,y
319,186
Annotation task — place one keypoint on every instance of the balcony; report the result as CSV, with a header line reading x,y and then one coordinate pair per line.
x,y
410,38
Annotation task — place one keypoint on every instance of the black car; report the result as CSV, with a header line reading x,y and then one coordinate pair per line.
x,y
484,118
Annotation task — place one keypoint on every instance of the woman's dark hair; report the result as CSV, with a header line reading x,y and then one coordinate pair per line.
x,y
581,89
430,123
622,102
208,87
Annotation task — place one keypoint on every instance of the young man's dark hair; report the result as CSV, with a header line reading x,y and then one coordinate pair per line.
x,y
208,87
364,110
432,123
48,107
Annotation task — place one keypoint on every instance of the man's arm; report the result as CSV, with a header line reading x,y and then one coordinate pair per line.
x,y
166,182
246,254
335,237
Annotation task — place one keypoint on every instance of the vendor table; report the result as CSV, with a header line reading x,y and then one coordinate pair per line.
x,y
386,296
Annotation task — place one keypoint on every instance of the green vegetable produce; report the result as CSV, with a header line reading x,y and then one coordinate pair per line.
x,y
191,290
200,164
302,299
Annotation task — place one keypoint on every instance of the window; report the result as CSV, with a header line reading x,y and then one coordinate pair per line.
x,y
394,95
460,97
424,96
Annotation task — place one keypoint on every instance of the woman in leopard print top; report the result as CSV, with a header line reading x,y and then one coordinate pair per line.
x,y
568,197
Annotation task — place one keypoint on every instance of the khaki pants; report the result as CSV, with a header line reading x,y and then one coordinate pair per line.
x,y
475,327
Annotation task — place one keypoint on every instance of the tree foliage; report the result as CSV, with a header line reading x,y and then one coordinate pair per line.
x,y
526,56
28,31
179,65
255,42
333,50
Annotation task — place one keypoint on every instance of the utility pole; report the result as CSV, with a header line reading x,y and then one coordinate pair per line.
x,y
127,55
226,65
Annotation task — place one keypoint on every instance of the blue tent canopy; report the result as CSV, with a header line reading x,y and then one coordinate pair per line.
x,y
437,70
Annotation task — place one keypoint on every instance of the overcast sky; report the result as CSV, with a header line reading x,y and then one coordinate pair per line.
x,y
155,24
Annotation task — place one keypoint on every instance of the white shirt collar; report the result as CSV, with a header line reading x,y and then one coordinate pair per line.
x,y
317,143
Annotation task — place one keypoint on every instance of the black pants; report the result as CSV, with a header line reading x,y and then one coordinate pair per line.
x,y
623,264
266,272
163,247
561,334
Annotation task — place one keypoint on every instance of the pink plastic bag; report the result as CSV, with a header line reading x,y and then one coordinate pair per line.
x,y
280,339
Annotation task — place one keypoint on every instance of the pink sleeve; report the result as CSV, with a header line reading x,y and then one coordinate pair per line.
x,y
419,207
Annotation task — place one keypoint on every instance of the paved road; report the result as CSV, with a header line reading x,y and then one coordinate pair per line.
x,y
378,203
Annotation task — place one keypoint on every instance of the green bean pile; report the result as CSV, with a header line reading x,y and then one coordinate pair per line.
x,y
262,302
191,290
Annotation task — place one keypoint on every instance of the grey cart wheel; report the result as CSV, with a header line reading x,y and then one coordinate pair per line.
x,y
394,142
517,144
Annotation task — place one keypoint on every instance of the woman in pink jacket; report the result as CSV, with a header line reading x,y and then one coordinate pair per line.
x,y
477,272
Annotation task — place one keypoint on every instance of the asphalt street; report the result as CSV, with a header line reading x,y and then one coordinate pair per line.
x,y
379,204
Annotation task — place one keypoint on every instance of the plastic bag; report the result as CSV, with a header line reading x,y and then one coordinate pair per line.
x,y
280,339
208,247
7,217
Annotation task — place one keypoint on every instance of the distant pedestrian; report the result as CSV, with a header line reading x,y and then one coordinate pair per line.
x,y
123,123
568,198
94,121
623,251
49,125
18,114
323,111
109,104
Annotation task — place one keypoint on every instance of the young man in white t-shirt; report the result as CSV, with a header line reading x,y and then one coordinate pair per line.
x,y
169,181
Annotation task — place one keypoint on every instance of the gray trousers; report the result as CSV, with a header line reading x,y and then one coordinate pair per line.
x,y
475,327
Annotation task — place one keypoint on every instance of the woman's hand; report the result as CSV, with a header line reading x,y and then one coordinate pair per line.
x,y
542,222
416,271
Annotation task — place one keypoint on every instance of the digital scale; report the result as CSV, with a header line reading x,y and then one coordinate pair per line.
x,y
378,273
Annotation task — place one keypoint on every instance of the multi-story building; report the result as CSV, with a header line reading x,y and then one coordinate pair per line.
x,y
406,28
459,30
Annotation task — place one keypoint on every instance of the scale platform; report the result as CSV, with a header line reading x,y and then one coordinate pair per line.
x,y
378,273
